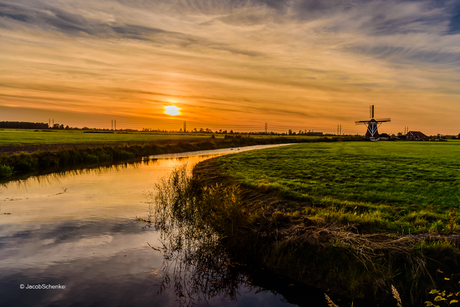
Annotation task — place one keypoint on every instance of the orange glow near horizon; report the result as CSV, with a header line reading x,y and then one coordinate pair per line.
x,y
172,110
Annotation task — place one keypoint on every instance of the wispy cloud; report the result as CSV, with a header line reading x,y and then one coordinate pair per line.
x,y
254,60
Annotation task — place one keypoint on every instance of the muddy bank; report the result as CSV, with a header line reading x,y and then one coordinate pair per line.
x,y
327,255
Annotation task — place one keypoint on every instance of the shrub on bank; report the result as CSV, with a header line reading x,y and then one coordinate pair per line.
x,y
6,170
25,163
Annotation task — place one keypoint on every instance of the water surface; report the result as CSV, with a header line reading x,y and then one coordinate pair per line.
x,y
78,230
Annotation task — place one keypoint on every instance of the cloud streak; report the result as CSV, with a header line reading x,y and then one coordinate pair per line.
x,y
240,61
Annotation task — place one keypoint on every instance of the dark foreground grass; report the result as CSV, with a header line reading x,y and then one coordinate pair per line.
x,y
355,218
251,225
397,187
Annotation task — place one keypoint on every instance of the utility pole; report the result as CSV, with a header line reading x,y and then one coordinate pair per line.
x,y
266,128
115,124
185,126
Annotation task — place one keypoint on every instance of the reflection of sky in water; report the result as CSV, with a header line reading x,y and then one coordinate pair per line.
x,y
78,229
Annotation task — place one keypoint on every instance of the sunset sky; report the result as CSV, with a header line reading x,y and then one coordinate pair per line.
x,y
232,64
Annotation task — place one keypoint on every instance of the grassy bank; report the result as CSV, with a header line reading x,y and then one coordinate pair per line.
x,y
355,218
55,157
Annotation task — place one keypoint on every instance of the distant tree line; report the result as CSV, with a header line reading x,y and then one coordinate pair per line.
x,y
23,125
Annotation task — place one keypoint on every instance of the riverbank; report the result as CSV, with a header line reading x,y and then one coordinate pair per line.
x,y
29,159
17,160
257,229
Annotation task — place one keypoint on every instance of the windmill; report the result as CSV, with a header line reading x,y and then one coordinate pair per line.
x,y
372,125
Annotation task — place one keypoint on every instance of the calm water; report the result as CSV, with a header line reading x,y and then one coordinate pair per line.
x,y
78,230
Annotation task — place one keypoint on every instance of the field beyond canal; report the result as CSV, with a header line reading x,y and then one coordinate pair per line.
x,y
397,187
353,217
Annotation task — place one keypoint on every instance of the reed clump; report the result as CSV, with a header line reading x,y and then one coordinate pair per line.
x,y
195,263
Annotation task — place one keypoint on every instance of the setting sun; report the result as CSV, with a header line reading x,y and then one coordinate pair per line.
x,y
172,110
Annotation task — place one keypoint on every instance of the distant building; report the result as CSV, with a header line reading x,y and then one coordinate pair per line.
x,y
416,136
314,133
384,136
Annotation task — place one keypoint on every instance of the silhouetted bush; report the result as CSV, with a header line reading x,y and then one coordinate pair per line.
x,y
6,171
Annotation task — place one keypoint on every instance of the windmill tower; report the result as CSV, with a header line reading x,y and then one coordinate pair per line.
x,y
372,125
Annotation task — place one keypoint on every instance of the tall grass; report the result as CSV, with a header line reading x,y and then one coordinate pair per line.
x,y
195,264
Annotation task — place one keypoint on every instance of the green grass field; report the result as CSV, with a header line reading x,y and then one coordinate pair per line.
x,y
408,187
29,136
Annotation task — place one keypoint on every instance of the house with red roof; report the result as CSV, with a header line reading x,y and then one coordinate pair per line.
x,y
416,136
